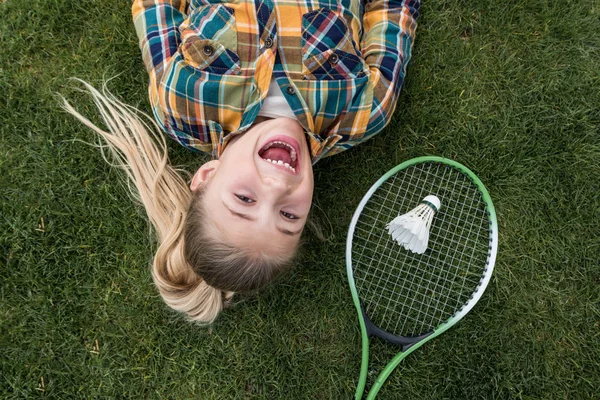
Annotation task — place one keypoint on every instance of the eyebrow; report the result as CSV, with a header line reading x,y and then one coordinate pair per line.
x,y
290,233
249,218
237,214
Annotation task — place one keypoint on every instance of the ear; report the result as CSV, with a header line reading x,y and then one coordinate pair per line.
x,y
203,174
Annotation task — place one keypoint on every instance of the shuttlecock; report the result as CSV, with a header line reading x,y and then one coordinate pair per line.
x,y
411,230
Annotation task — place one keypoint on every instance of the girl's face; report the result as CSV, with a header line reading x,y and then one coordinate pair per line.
x,y
259,192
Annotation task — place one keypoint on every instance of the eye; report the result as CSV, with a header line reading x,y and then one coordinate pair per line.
x,y
288,215
244,199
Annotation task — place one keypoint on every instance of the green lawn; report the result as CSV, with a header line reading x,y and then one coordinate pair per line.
x,y
511,89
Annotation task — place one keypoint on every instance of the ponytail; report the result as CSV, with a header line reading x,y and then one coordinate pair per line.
x,y
138,148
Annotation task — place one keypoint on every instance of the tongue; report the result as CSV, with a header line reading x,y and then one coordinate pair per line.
x,y
276,154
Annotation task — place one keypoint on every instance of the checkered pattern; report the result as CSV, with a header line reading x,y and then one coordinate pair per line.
x,y
340,65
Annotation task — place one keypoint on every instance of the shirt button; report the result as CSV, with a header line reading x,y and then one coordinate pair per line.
x,y
269,43
334,58
290,90
208,50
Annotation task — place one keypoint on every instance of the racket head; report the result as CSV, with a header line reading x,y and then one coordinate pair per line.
x,y
424,294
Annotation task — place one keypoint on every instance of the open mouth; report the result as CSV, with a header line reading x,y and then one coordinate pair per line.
x,y
281,151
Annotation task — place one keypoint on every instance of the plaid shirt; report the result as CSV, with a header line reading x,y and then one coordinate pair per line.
x,y
340,65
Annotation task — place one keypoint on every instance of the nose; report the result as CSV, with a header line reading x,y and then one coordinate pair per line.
x,y
278,186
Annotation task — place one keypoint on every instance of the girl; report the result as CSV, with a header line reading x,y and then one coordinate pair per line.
x,y
269,87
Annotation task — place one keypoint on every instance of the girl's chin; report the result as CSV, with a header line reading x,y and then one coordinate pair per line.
x,y
260,119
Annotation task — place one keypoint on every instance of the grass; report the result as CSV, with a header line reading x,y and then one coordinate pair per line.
x,y
511,89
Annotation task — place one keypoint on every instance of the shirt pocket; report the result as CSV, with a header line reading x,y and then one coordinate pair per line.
x,y
209,40
328,50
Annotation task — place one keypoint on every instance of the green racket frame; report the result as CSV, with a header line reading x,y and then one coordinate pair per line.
x,y
366,327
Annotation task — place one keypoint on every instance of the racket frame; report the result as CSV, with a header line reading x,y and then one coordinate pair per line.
x,y
410,344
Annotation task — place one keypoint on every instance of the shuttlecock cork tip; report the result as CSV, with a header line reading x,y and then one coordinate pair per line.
x,y
433,201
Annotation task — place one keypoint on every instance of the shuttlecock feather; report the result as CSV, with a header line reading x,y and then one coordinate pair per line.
x,y
411,230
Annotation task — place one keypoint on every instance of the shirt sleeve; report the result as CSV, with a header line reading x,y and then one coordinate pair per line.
x,y
388,34
157,26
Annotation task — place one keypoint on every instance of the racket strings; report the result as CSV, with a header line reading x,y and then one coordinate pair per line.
x,y
407,294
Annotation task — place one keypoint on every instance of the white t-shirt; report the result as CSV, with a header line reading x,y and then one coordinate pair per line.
x,y
275,105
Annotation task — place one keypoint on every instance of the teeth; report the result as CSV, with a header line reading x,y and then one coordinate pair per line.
x,y
293,155
279,162
269,145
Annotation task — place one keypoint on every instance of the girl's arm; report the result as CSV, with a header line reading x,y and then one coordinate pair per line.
x,y
157,26
389,30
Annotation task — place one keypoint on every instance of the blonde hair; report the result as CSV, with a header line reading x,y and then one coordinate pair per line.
x,y
196,273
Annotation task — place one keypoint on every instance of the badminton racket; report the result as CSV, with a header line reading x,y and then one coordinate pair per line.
x,y
408,298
